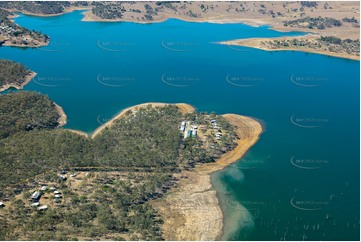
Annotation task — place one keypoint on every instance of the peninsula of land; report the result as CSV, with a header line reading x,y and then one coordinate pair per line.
x,y
27,79
331,46
162,183
14,75
191,210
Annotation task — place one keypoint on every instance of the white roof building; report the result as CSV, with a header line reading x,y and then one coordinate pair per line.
x,y
44,207
36,195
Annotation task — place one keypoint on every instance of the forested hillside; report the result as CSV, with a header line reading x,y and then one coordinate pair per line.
x,y
12,73
113,176
25,111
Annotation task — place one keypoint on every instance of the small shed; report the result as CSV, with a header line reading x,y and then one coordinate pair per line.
x,y
62,177
41,208
36,196
35,204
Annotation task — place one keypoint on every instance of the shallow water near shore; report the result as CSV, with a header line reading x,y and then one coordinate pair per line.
x,y
300,181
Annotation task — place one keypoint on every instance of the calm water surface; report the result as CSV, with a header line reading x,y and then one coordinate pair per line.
x,y
299,182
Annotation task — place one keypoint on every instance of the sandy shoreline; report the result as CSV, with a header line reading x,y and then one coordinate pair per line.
x,y
28,78
85,135
191,211
256,43
62,117
9,44
90,17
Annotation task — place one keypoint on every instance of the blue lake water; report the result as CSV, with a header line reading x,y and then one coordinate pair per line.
x,y
299,182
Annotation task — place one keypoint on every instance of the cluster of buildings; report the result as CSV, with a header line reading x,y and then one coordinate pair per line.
x,y
36,196
218,130
6,29
44,189
188,129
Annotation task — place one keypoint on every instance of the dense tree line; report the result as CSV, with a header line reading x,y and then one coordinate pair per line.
x,y
146,144
314,23
25,111
148,138
108,11
44,7
309,4
12,73
330,43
